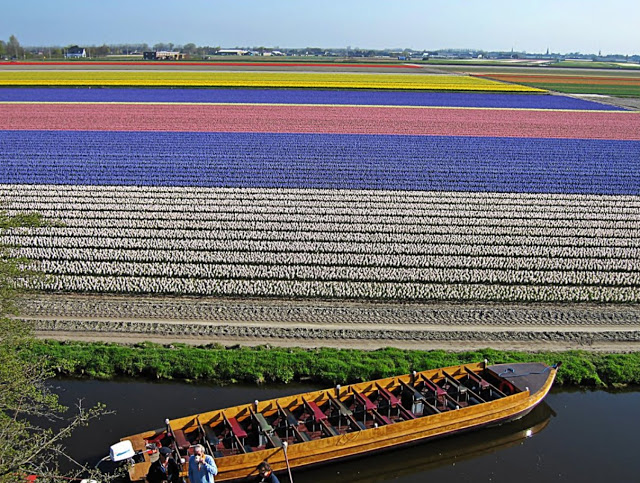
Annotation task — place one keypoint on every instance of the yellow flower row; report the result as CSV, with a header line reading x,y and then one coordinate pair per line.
x,y
257,79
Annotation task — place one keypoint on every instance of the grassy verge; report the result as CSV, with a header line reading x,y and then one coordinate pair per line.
x,y
325,366
608,90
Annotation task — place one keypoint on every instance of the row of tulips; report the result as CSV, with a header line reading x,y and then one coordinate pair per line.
x,y
340,289
429,216
267,160
188,199
450,275
290,259
246,238
535,247
302,96
333,80
367,226
189,120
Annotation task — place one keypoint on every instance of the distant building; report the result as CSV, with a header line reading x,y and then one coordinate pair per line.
x,y
162,55
167,55
75,52
232,52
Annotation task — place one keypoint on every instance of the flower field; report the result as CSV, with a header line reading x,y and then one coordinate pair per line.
x,y
354,194
299,96
322,161
544,123
620,84
257,79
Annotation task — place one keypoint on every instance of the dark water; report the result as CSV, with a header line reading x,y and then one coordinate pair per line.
x,y
576,436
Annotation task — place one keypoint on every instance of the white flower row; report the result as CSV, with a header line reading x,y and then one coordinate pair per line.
x,y
300,243
199,196
385,249
123,209
312,272
441,245
248,239
288,258
606,228
339,289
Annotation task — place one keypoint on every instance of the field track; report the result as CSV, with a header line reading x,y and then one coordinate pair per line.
x,y
452,326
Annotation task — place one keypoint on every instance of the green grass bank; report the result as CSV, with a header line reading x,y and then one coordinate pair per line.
x,y
216,364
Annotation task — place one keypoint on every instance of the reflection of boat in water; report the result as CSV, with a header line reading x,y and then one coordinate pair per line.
x,y
326,425
439,453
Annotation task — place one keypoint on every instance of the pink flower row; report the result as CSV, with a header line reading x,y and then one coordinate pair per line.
x,y
323,119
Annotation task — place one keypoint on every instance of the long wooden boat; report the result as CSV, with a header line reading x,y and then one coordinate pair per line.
x,y
322,426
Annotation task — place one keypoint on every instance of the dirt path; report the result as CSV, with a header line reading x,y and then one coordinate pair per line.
x,y
304,323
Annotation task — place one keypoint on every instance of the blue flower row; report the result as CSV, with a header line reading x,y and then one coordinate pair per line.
x,y
338,161
301,96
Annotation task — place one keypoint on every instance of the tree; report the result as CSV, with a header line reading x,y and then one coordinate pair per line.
x,y
26,447
189,48
101,51
13,47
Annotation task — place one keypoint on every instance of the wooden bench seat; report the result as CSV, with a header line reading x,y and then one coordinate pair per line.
x,y
265,427
318,415
181,440
236,429
364,400
210,435
290,418
393,400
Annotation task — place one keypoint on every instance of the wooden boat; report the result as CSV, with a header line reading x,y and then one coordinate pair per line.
x,y
322,426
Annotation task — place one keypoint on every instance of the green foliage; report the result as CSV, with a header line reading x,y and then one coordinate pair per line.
x,y
26,447
325,365
586,88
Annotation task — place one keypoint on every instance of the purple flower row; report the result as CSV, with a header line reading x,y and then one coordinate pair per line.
x,y
336,161
301,96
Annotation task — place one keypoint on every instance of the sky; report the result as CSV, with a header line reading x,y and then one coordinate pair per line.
x,y
562,26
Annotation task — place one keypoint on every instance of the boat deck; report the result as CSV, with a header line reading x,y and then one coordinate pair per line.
x,y
532,375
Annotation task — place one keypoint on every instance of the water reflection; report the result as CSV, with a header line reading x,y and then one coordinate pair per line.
x,y
434,454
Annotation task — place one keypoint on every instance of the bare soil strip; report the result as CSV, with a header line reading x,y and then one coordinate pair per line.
x,y
306,323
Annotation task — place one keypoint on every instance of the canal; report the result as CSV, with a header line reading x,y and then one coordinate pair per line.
x,y
575,436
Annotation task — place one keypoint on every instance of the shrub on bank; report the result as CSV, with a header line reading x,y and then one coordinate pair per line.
x,y
217,364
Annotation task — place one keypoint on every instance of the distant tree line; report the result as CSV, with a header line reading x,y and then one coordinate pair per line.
x,y
12,49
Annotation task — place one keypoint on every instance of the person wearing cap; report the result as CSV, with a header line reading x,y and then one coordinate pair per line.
x,y
265,474
165,469
202,467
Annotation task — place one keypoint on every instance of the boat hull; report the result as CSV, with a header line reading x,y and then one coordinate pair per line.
x,y
383,437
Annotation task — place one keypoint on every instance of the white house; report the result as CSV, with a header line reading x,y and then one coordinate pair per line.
x,y
75,52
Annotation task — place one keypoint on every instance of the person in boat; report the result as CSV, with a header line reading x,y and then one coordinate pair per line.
x,y
202,467
165,469
266,474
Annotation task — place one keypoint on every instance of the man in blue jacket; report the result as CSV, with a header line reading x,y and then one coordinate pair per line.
x,y
202,467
